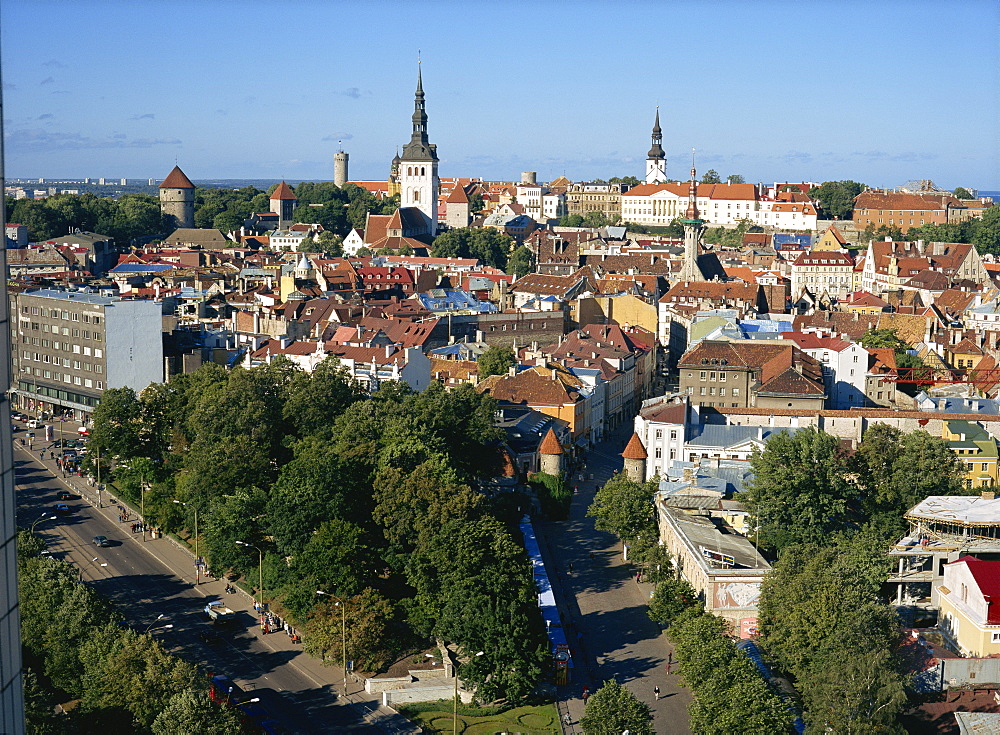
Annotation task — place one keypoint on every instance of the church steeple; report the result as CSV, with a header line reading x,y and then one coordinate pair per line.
x,y
416,169
693,228
656,159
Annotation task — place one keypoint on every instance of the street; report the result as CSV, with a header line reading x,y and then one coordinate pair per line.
x,y
147,579
605,609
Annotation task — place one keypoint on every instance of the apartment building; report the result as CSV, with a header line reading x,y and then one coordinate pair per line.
x,y
69,347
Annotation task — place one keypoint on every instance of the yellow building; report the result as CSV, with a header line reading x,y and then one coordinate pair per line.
x,y
831,240
974,446
965,355
969,601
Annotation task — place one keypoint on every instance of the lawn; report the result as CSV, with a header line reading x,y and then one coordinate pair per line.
x,y
436,717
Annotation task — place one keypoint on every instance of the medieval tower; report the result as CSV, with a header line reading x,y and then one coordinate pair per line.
x,y
177,200
340,168
418,166
283,204
635,459
550,453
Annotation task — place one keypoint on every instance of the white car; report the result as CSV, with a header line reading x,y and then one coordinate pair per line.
x,y
32,423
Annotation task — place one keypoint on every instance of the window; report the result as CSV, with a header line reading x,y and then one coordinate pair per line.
x,y
703,374
722,377
659,453
673,434
673,454
702,392
736,392
986,467
722,392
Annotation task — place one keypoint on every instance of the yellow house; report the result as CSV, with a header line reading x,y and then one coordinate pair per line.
x,y
969,601
966,354
974,446
831,240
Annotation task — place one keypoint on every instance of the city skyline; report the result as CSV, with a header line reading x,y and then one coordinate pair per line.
x,y
775,91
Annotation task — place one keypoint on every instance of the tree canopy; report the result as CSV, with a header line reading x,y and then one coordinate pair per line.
x,y
625,508
487,245
835,199
496,360
711,177
376,500
613,709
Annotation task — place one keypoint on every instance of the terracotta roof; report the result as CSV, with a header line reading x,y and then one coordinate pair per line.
x,y
550,444
457,196
634,448
965,347
895,200
176,180
284,191
670,413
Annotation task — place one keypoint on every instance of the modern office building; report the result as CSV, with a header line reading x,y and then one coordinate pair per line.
x,y
69,347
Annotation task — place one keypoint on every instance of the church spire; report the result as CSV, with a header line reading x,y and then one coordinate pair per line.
x,y
656,159
692,208
419,112
656,151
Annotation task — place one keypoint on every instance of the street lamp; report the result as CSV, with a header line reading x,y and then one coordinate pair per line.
x,y
197,556
142,507
260,569
41,518
343,631
454,723
150,628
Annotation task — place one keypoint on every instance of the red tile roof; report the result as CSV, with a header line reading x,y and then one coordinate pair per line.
x,y
550,444
284,191
176,180
634,448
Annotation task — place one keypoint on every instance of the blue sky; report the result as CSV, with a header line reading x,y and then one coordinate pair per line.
x,y
875,91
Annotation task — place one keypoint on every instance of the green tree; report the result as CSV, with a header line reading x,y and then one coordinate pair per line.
x,y
625,508
118,424
897,471
986,236
315,400
835,199
476,203
735,179
737,699
883,339
711,177
487,245
613,709
521,262
820,613
191,711
671,598
799,490
496,360
962,193
571,220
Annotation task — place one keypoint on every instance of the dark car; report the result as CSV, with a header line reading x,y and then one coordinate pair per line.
x,y
65,495
209,637
62,508
102,541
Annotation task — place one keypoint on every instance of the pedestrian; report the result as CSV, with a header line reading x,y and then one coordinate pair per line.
x,y
656,693
567,719
570,567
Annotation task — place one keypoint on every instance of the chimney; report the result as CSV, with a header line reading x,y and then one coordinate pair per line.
x,y
942,404
389,349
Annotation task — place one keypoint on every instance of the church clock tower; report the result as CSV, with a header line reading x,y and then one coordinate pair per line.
x,y
694,226
418,166
656,159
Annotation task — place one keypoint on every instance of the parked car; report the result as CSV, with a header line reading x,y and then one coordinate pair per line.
x,y
62,508
32,423
102,541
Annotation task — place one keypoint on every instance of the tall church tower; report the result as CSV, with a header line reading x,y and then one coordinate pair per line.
x,y
656,159
177,200
693,228
418,166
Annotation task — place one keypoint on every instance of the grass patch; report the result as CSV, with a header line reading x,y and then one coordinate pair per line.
x,y
436,717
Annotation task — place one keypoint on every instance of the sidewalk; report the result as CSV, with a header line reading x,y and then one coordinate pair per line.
x,y
175,557
604,610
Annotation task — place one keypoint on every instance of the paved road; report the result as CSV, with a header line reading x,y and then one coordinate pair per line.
x,y
605,610
147,579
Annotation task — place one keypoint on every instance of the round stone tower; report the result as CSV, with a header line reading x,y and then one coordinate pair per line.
x,y
340,168
635,459
550,453
177,200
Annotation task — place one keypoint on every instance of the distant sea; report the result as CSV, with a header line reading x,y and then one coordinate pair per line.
x,y
994,195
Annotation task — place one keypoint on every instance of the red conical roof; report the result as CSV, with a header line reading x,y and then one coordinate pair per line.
x,y
634,449
284,191
550,444
457,196
176,180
